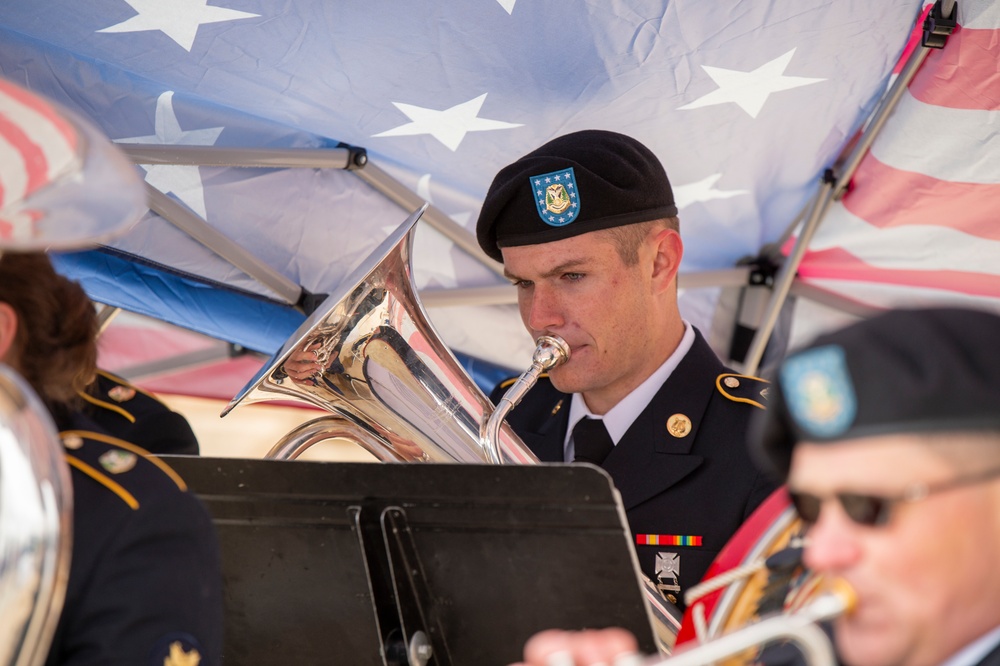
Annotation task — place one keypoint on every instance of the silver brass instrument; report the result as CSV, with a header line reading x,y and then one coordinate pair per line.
x,y
550,352
372,359
35,524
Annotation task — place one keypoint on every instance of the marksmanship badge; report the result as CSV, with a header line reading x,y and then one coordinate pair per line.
x,y
556,197
668,568
819,391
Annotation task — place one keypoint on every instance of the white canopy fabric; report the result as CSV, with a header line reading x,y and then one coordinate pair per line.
x,y
746,103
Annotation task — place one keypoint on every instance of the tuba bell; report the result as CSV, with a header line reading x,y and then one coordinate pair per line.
x,y
35,525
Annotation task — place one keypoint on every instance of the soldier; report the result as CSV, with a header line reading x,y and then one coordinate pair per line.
x,y
145,581
888,435
587,230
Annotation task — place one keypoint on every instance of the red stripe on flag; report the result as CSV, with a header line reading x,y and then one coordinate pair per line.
x,y
35,164
839,264
965,74
39,106
887,197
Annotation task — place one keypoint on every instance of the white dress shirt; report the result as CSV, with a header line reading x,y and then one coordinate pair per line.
x,y
620,417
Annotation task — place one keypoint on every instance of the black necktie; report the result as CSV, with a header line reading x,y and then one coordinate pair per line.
x,y
591,441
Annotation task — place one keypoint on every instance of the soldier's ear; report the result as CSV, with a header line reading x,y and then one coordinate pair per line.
x,y
8,331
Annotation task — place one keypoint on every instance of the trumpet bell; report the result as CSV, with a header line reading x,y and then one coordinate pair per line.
x,y
369,355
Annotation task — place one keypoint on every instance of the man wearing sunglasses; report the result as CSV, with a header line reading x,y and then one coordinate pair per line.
x,y
888,436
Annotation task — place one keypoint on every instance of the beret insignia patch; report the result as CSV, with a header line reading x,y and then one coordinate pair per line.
x,y
818,388
556,197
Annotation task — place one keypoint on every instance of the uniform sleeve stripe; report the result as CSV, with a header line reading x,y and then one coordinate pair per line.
x,y
128,446
106,405
103,479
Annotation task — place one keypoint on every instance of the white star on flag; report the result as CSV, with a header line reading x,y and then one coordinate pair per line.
x,y
508,5
702,190
449,126
183,181
177,19
750,90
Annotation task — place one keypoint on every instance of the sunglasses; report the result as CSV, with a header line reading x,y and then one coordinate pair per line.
x,y
874,510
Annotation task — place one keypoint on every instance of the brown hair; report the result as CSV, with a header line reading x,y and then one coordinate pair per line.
x,y
628,237
55,349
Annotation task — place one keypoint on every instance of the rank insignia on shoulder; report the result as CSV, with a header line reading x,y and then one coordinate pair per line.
x,y
121,393
116,461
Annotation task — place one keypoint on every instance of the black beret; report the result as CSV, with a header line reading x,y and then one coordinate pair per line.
x,y
902,371
579,182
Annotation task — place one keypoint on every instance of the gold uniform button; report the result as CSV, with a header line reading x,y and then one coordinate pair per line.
x,y
72,442
731,382
679,425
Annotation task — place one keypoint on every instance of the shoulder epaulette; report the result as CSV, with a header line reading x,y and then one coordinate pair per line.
x,y
119,457
126,392
743,388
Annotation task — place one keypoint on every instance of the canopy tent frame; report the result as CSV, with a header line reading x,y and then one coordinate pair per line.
x,y
939,23
353,159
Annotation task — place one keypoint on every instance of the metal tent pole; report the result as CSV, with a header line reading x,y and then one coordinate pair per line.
x,y
835,183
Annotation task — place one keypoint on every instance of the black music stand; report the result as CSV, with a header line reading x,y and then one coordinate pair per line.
x,y
347,563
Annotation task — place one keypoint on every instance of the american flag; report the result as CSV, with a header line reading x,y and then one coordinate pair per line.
x,y
746,102
919,224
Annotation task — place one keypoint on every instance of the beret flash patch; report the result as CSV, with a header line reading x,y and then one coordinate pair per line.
x,y
556,197
818,388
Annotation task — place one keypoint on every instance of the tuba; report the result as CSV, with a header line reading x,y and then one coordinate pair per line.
x,y
35,524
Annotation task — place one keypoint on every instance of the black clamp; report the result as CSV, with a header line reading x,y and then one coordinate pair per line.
x,y
309,302
938,27
763,270
357,157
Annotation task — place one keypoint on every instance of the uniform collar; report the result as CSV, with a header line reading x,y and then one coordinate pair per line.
x,y
975,652
620,417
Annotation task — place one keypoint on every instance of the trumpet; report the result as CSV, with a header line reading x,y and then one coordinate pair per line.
x,y
800,627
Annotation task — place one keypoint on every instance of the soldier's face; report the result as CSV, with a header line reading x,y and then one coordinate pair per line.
x,y
580,289
928,581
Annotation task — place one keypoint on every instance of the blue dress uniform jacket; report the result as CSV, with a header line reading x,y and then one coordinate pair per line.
x,y
701,484
127,412
145,577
